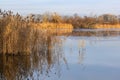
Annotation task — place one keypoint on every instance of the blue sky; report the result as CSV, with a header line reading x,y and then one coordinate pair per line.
x,y
62,6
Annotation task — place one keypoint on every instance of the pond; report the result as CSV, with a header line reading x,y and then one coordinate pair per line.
x,y
77,56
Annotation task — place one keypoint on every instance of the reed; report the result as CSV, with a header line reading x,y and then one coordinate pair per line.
x,y
54,27
107,26
19,35
15,34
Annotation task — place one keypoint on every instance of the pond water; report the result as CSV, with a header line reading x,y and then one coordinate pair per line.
x,y
70,57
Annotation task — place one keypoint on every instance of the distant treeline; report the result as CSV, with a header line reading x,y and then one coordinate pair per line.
x,y
76,20
92,21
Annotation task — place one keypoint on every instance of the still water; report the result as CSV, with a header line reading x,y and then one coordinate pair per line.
x,y
70,57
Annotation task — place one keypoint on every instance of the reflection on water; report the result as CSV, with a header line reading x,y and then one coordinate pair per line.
x,y
21,67
66,58
14,67
96,32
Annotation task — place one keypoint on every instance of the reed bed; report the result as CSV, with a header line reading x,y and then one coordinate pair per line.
x,y
19,35
107,26
16,35
54,27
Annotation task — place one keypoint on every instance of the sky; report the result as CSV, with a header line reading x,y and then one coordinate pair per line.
x,y
67,7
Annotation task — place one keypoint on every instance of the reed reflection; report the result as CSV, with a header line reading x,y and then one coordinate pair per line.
x,y
14,67
82,50
44,57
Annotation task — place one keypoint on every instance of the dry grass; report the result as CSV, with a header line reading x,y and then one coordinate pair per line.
x,y
106,26
54,27
20,35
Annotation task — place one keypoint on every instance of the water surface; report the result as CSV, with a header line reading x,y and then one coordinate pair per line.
x,y
73,57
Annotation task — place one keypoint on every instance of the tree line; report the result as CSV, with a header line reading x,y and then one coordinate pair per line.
x,y
76,20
